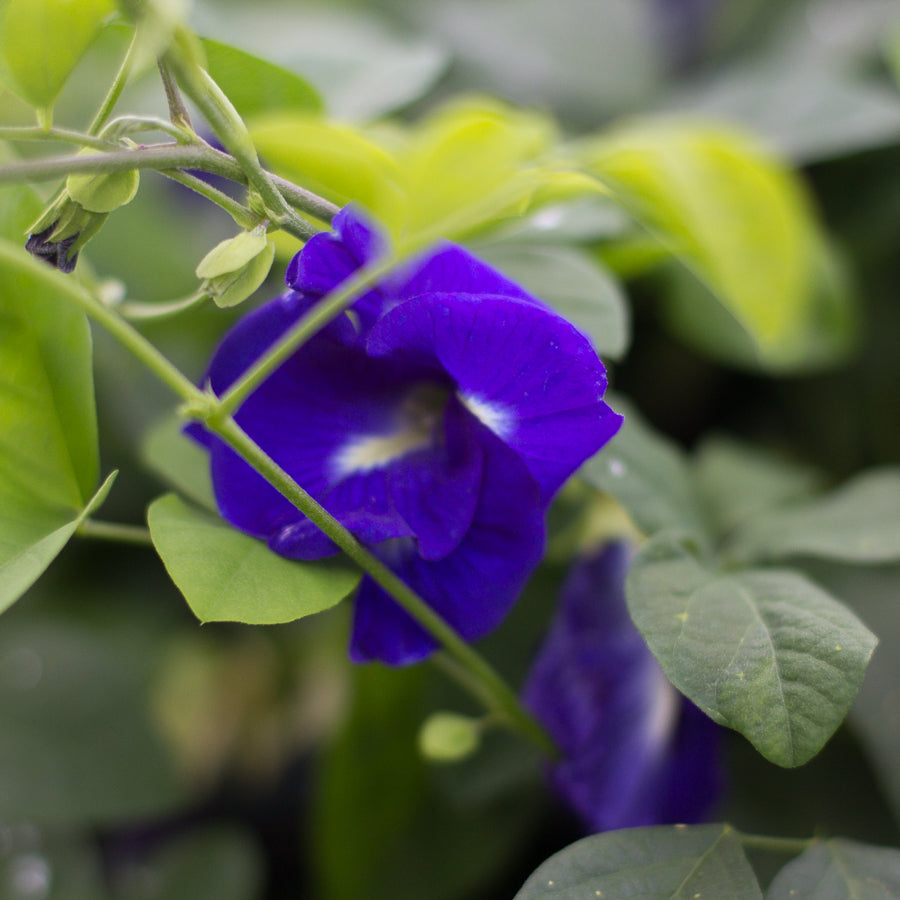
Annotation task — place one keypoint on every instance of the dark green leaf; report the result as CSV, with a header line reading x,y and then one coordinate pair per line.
x,y
574,284
77,745
840,870
736,480
676,863
256,86
227,576
648,475
179,460
859,522
765,652
218,863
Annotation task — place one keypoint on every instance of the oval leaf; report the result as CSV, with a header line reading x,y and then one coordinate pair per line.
x,y
731,213
226,576
256,86
859,522
677,863
765,652
41,41
840,870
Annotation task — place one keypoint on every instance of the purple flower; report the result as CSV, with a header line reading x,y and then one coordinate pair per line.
x,y
634,751
435,420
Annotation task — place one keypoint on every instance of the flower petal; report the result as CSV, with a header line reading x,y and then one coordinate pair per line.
x,y
634,752
527,373
436,490
474,586
452,269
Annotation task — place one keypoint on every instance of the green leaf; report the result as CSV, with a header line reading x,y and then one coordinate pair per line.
x,y
77,744
41,41
840,870
648,475
179,460
32,537
574,284
764,652
20,204
362,68
216,863
859,523
332,159
227,576
735,217
676,863
48,433
736,481
256,86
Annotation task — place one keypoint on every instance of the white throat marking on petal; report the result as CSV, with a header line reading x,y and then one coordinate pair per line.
x,y
498,418
664,708
419,415
364,453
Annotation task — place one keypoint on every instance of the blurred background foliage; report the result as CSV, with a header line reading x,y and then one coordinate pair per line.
x,y
752,151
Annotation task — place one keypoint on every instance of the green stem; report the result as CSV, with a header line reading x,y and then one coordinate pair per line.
x,y
159,157
137,311
58,135
493,690
786,846
115,89
308,325
241,215
123,125
230,129
177,110
115,531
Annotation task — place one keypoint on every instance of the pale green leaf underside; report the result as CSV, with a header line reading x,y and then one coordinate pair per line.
x,y
31,538
648,475
765,652
227,576
840,870
859,522
663,863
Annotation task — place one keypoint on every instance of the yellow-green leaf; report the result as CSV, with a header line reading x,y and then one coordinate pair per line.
x,y
737,218
41,42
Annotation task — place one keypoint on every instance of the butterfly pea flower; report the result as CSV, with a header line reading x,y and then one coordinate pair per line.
x,y
435,420
633,751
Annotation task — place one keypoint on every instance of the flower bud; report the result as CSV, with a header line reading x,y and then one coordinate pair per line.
x,y
234,269
449,737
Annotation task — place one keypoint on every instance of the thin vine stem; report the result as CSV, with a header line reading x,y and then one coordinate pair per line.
x,y
115,531
115,89
230,129
54,135
241,215
139,311
308,325
156,156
